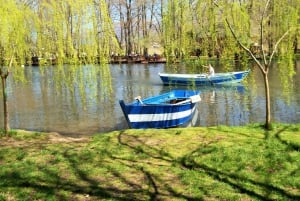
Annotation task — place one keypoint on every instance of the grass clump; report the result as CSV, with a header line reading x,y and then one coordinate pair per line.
x,y
214,163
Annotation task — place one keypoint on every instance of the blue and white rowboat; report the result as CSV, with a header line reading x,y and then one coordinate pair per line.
x,y
167,110
203,79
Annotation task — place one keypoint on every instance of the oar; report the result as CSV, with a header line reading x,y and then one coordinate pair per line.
x,y
211,83
192,99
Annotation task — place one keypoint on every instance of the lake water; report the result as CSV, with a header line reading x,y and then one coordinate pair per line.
x,y
43,104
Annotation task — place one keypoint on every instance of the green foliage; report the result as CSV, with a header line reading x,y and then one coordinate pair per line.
x,y
286,73
14,29
177,23
56,31
83,31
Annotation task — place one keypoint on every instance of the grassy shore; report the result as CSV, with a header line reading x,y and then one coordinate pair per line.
x,y
214,163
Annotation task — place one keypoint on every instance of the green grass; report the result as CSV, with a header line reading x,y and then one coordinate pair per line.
x,y
214,163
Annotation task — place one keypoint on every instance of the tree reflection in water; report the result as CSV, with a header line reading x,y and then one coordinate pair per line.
x,y
83,100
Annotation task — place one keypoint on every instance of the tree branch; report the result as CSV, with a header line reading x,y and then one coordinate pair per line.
x,y
240,43
10,62
244,47
261,31
277,43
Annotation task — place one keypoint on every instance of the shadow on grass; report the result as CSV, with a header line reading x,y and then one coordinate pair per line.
x,y
231,179
65,176
51,185
165,188
289,144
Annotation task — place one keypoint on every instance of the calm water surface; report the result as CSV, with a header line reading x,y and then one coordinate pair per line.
x,y
42,104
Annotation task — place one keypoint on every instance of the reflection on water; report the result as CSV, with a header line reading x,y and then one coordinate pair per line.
x,y
88,101
224,105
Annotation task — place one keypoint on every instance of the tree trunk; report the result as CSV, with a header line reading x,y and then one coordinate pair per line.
x,y
295,45
144,28
5,105
129,27
121,25
268,105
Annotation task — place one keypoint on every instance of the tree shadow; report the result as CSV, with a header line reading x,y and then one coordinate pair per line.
x,y
113,183
231,179
50,182
139,146
55,182
289,144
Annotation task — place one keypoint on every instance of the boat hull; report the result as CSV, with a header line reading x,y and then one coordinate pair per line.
x,y
159,112
203,79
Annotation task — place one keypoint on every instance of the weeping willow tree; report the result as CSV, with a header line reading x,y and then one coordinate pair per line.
x,y
198,28
277,25
83,33
239,16
105,37
286,50
207,28
56,31
14,33
74,31
177,29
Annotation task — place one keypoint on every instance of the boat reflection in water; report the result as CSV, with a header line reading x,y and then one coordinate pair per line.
x,y
210,93
223,103
194,120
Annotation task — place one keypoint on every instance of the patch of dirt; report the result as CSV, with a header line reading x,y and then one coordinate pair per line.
x,y
51,138
57,138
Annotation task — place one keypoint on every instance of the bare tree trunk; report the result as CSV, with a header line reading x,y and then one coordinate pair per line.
x,y
151,16
5,105
295,45
268,105
144,28
69,20
129,27
121,24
